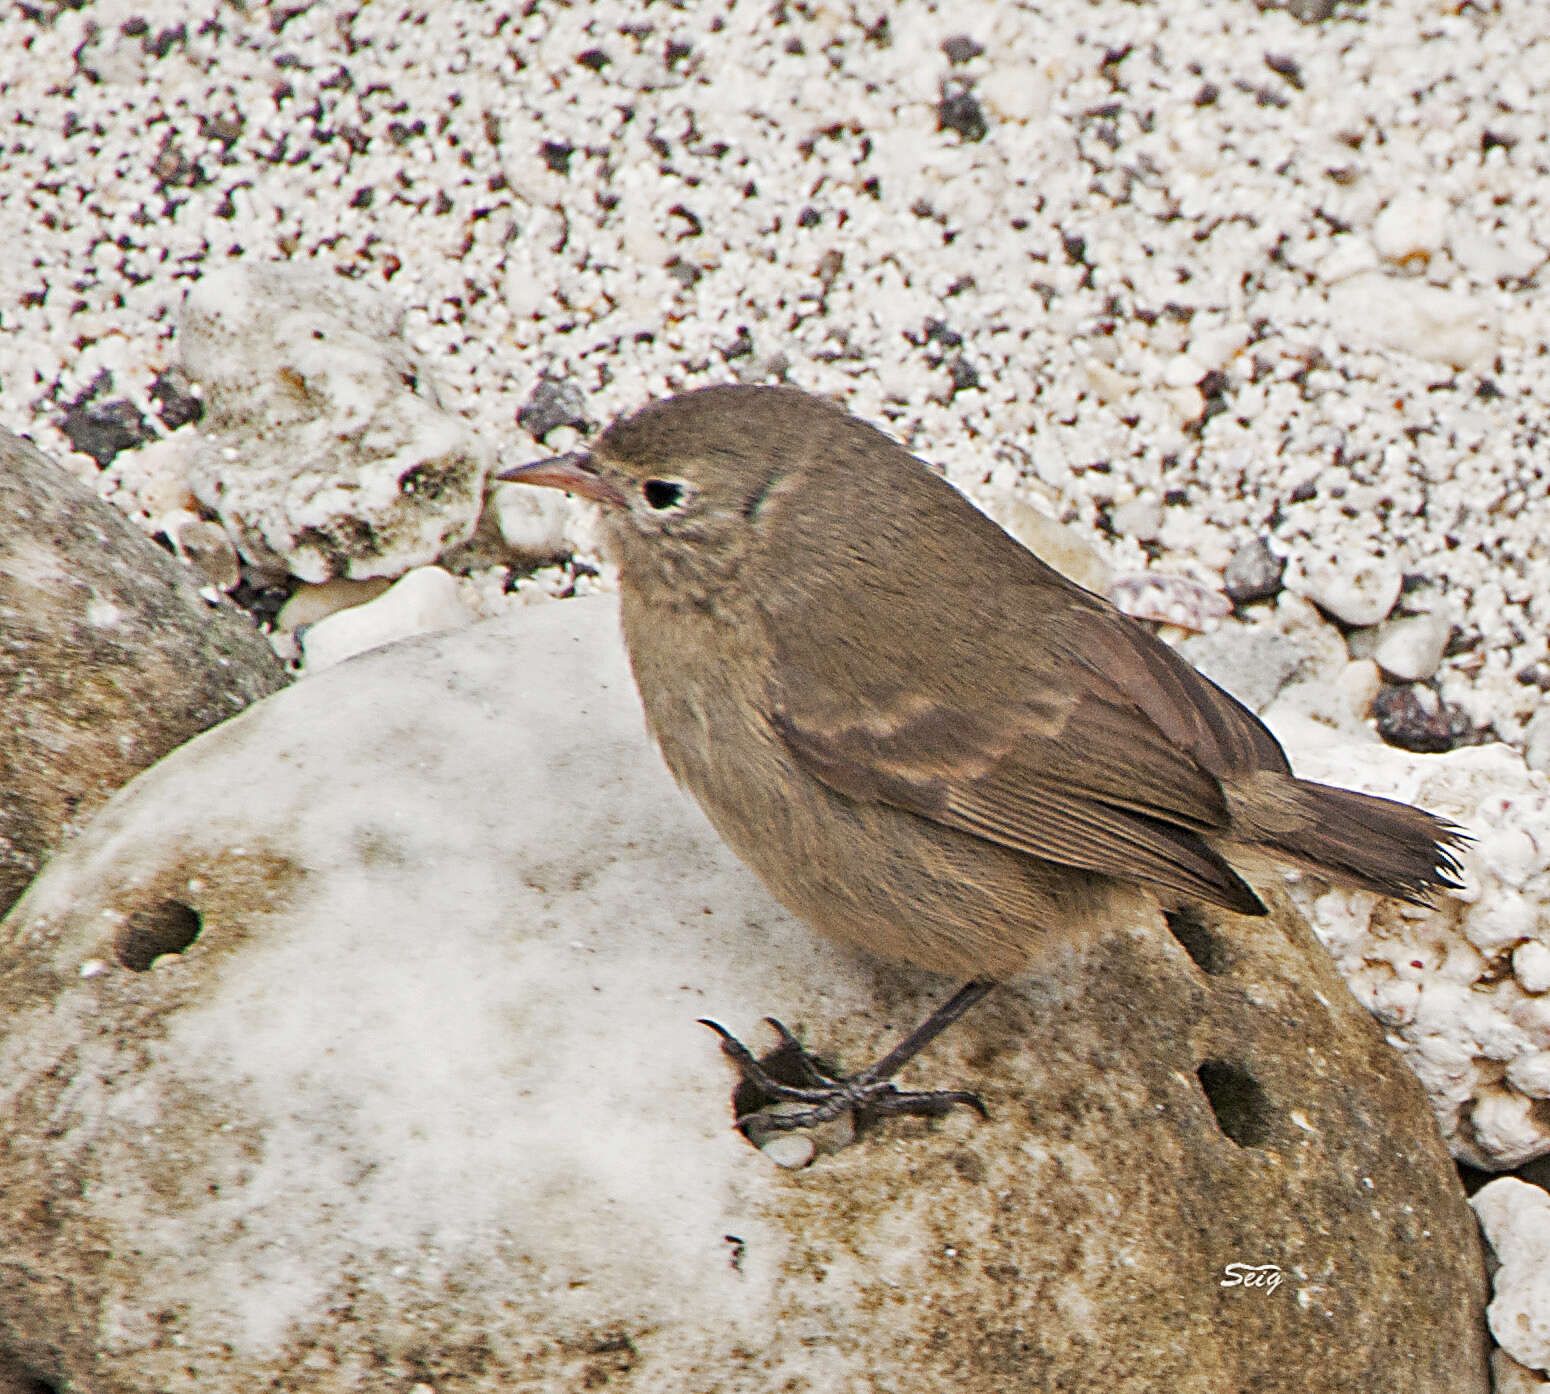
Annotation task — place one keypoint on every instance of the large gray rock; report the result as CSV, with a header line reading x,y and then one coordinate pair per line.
x,y
391,1076
109,657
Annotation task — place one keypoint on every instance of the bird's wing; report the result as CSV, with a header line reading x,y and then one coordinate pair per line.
x,y
1049,723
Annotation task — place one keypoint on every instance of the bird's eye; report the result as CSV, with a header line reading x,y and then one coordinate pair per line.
x,y
663,493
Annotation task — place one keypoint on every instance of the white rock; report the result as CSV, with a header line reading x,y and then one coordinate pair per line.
x,y
1516,1219
536,524
1531,966
1186,404
1412,227
1469,1020
1405,315
205,547
1491,258
1170,599
1357,590
1185,370
309,604
1410,648
1506,1128
1107,384
326,448
420,1073
1358,684
1214,349
425,601
1349,255
1530,1074
1141,518
1536,739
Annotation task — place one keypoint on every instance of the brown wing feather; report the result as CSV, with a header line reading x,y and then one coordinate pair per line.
x,y
1026,711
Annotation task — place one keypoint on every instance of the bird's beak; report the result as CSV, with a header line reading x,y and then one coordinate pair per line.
x,y
574,473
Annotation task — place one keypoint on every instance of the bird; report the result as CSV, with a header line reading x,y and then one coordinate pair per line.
x,y
922,738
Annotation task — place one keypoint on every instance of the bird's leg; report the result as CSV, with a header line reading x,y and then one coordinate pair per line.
x,y
866,1092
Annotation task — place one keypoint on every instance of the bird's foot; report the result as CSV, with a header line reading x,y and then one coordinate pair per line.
x,y
818,1097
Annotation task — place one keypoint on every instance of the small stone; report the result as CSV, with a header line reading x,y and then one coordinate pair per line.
x,y
1411,228
538,525
790,1150
1357,591
103,429
424,601
553,403
1167,599
1406,315
1531,966
177,399
1254,573
1415,718
1530,1074
1516,1219
310,604
1108,384
1359,683
1409,649
1252,664
205,547
958,111
1505,1127
1536,740
960,48
1140,518
1308,11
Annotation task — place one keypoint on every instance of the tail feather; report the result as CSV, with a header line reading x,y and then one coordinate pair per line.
x,y
1375,844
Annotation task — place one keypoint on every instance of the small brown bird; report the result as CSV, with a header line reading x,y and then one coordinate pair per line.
x,y
921,737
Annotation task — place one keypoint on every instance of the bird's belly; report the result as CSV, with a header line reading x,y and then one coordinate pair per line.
x,y
893,883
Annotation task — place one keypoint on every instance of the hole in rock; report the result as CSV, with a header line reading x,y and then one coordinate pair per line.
x,y
166,928
1241,1108
1200,943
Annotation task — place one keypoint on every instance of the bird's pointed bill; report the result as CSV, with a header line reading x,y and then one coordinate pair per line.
x,y
573,473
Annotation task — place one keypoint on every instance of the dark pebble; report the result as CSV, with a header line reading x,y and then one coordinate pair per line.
x,y
958,111
961,49
176,402
1254,573
554,402
102,429
1413,717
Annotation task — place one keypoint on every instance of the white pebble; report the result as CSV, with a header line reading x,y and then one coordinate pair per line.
x,y
425,600
1506,1127
1405,315
1530,1074
1410,648
790,1150
1516,1219
1411,227
309,604
1357,590
537,524
1531,966
1536,740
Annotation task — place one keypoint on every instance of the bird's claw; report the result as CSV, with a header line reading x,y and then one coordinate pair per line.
x,y
862,1095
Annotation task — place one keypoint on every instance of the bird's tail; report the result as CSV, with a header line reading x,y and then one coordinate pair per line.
x,y
1356,839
